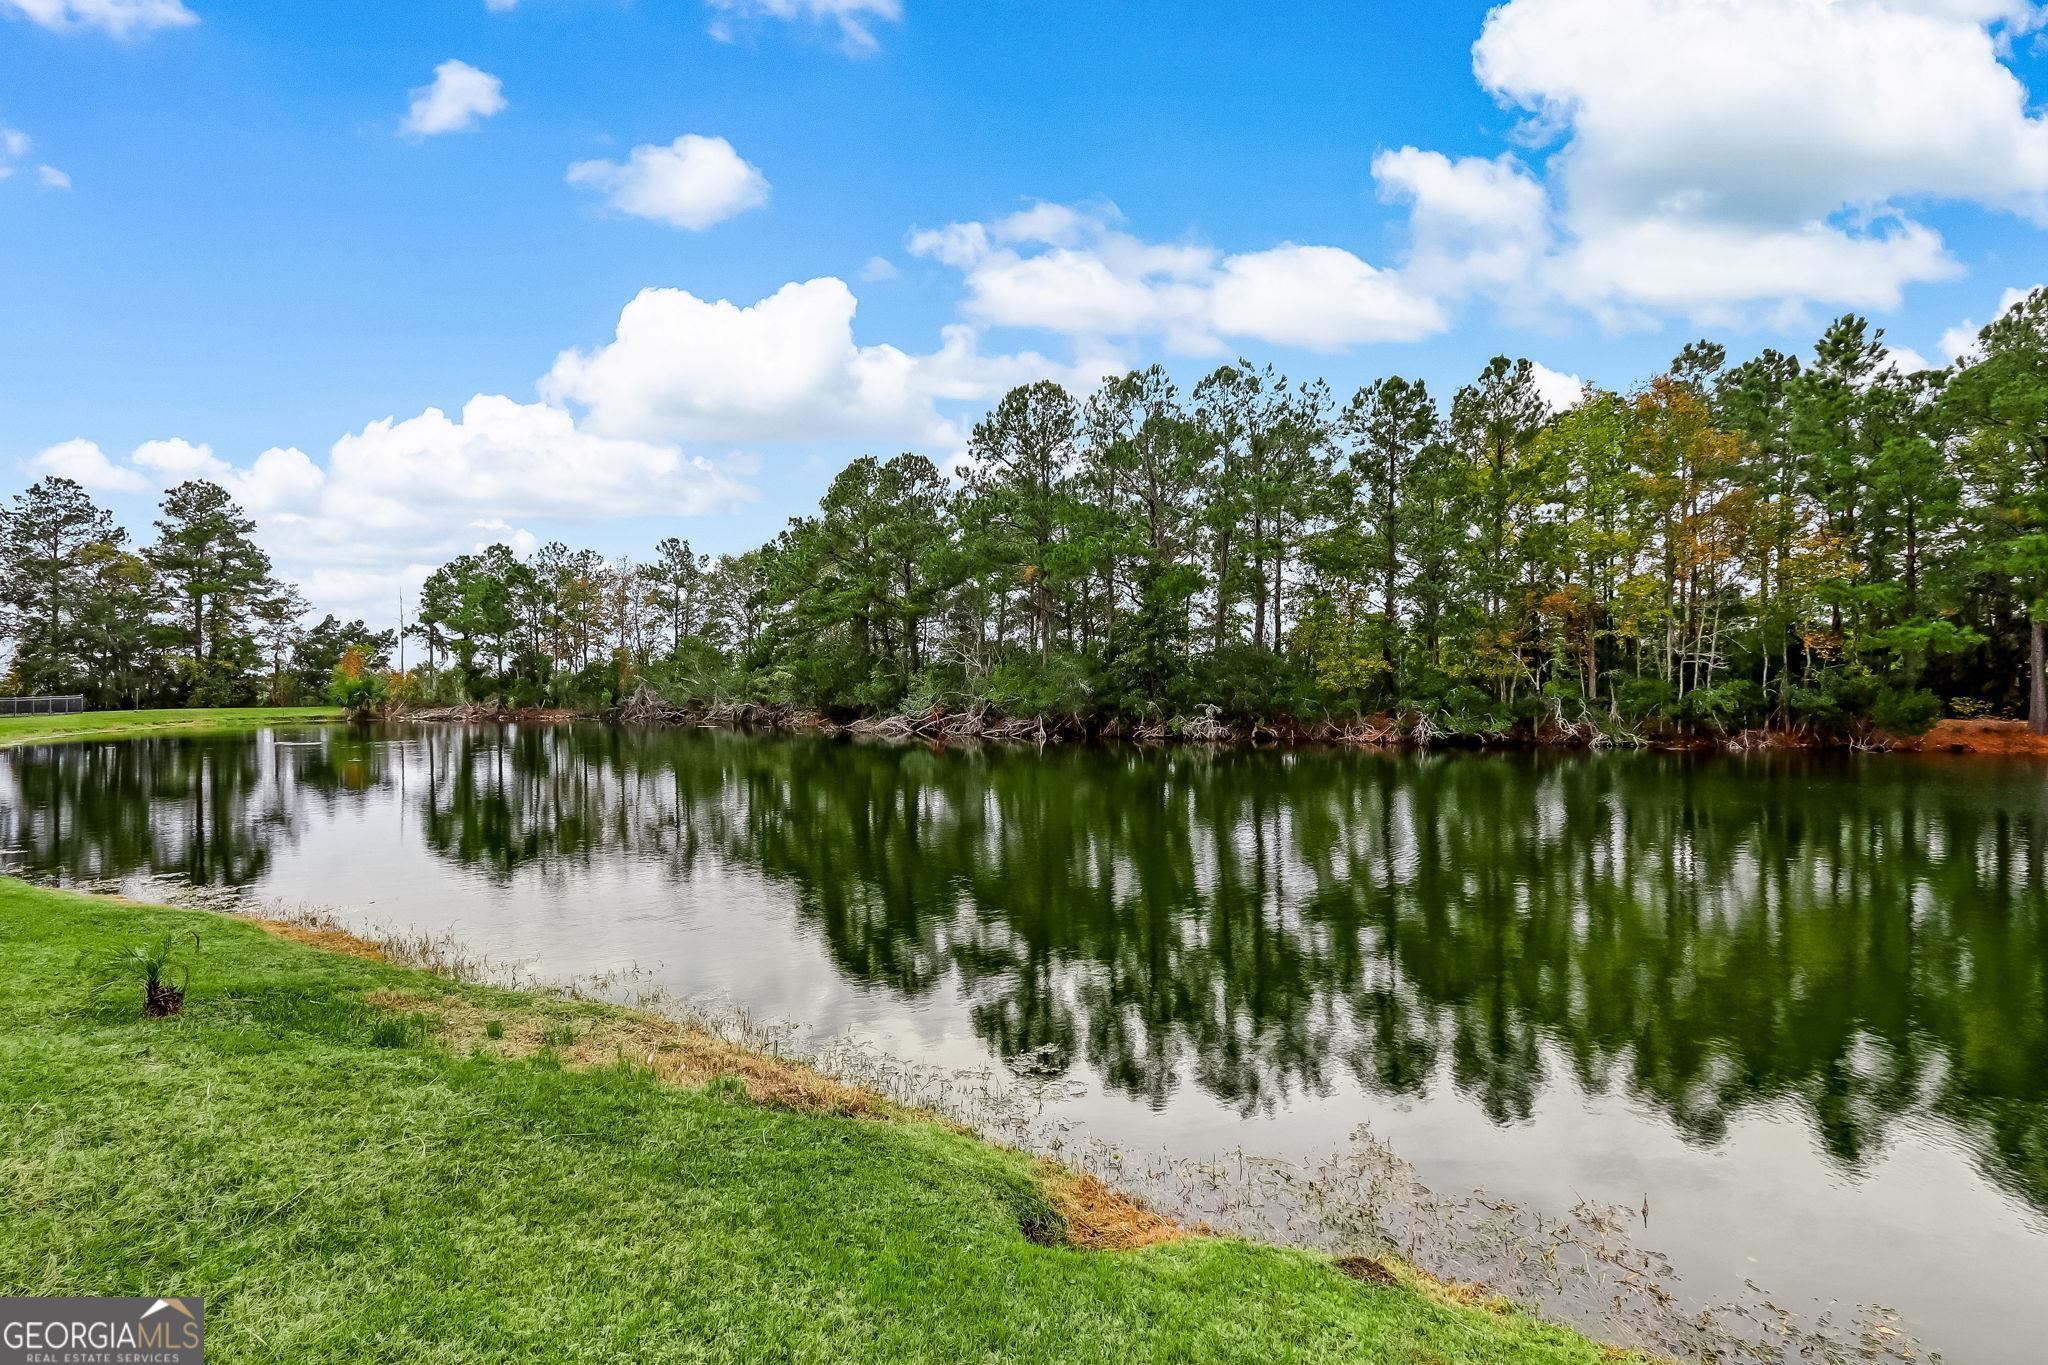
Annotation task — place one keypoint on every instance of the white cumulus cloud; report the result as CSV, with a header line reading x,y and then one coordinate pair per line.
x,y
403,495
277,482
1721,157
120,18
85,464
1320,297
1473,223
175,460
458,97
1725,161
613,437
1904,360
1717,271
785,368
502,458
1071,270
692,183
283,482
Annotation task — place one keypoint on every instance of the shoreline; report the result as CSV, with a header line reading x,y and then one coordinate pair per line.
x,y
333,1002
1983,738
1469,1249
1962,738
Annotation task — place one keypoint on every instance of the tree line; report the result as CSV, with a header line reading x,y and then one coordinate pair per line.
x,y
193,618
1822,543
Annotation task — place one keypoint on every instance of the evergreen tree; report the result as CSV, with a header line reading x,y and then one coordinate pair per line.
x,y
677,581
49,541
2000,404
216,575
1020,489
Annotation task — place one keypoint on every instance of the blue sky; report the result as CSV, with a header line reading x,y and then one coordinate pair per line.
x,y
267,228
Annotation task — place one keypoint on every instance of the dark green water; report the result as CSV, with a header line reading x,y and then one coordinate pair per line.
x,y
1799,1006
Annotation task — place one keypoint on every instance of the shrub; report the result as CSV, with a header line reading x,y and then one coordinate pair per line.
x,y
1036,687
1730,704
1255,684
355,686
1645,698
158,965
1905,713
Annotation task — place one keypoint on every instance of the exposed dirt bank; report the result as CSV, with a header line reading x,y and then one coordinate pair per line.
x,y
1997,737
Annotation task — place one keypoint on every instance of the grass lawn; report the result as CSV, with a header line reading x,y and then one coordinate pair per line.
x,y
111,724
355,1161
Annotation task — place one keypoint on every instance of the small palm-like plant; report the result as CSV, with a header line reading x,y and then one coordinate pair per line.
x,y
159,965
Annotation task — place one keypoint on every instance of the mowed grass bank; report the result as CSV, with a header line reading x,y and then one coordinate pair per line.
x,y
113,724
355,1161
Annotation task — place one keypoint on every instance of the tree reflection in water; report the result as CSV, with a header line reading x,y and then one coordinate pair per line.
x,y
1863,937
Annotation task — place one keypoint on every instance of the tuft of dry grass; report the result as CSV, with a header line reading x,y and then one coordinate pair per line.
x,y
1368,1270
1393,1273
324,936
1099,1218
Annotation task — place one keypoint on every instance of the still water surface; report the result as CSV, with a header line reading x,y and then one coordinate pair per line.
x,y
1797,1008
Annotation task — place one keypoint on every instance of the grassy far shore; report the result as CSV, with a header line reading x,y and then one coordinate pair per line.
x,y
113,724
353,1160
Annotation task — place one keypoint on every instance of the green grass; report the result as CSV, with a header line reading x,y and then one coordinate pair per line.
x,y
341,1186
112,724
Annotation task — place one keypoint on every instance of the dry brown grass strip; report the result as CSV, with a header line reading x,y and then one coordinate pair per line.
x,y
1473,1295
676,1054
325,937
1099,1218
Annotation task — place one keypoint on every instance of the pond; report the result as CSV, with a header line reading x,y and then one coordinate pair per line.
x,y
1793,1010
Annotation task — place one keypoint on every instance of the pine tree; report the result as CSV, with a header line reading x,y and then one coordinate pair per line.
x,y
48,539
214,571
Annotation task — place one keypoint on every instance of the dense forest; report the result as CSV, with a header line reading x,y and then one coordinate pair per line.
x,y
1826,545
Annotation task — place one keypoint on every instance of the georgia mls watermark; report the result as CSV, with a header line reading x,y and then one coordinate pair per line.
x,y
102,1331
